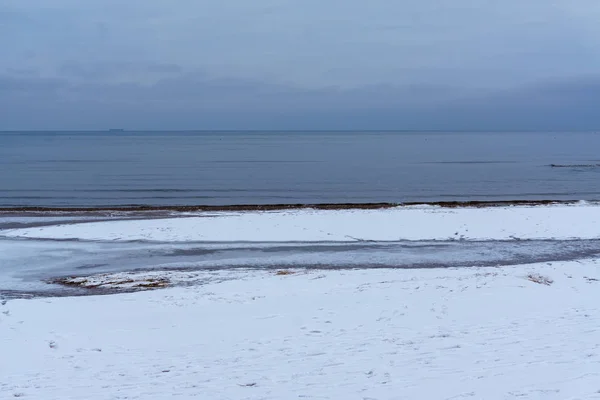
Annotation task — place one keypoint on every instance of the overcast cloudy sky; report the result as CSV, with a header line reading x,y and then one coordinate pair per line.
x,y
299,64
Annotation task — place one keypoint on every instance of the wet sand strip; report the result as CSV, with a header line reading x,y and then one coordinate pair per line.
x,y
143,209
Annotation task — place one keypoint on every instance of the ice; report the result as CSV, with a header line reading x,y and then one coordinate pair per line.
x,y
27,265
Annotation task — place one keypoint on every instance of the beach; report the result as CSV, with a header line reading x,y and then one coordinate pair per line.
x,y
506,323
488,333
273,200
559,221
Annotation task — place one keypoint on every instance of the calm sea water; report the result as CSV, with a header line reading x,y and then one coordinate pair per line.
x,y
222,168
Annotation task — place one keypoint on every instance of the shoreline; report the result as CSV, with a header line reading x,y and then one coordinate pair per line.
x,y
420,236
49,246
281,207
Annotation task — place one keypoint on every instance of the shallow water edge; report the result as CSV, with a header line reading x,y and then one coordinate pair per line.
x,y
276,207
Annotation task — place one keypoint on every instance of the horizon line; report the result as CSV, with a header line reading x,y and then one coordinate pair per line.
x,y
138,130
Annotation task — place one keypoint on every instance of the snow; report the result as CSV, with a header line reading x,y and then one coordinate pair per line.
x,y
480,333
527,331
401,223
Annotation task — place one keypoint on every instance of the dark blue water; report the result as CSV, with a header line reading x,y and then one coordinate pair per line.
x,y
199,168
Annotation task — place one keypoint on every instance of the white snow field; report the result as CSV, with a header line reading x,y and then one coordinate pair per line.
x,y
514,332
484,333
401,223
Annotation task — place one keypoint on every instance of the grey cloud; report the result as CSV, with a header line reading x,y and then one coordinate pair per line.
x,y
197,102
415,64
21,72
374,42
9,85
128,71
584,89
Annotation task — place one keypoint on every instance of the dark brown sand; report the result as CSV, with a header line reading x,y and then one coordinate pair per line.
x,y
274,207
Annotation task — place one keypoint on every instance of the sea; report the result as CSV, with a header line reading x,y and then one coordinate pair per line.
x,y
129,168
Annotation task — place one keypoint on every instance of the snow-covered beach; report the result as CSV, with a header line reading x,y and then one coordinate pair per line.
x,y
426,222
496,332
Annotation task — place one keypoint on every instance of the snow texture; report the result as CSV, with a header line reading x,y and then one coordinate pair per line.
x,y
487,333
515,332
562,222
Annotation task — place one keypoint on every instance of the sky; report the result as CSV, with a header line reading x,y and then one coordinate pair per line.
x,y
300,64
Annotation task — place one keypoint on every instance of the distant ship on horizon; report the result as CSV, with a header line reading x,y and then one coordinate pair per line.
x,y
116,130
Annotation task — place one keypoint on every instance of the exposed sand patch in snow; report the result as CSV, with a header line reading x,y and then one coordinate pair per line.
x,y
481,333
158,279
402,223
120,281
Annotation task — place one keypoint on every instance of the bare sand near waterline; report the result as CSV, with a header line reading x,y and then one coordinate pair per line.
x,y
144,210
